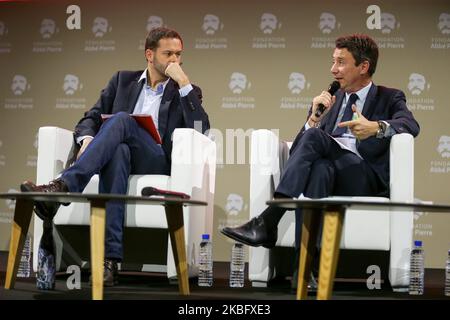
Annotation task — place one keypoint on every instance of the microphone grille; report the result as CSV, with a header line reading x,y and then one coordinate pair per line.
x,y
334,86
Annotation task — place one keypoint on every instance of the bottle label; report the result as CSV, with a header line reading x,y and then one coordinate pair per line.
x,y
45,277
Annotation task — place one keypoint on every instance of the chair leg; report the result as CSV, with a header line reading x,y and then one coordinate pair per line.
x,y
174,215
331,236
19,230
310,229
97,231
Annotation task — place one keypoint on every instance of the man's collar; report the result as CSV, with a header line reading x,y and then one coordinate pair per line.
x,y
143,76
362,93
161,86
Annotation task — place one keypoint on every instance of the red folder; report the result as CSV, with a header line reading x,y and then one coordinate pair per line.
x,y
145,121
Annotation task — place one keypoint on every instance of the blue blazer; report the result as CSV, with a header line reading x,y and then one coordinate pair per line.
x,y
385,104
121,94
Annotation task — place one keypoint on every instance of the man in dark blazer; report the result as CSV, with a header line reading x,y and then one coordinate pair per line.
x,y
119,146
343,148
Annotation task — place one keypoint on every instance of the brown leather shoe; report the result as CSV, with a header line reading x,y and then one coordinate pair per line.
x,y
110,274
45,210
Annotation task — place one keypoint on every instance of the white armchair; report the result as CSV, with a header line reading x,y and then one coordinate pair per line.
x,y
362,229
193,172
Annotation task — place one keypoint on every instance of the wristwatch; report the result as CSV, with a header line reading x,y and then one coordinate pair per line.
x,y
381,129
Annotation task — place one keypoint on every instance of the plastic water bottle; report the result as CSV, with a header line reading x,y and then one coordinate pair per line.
x,y
416,273
46,269
447,276
205,272
25,260
237,266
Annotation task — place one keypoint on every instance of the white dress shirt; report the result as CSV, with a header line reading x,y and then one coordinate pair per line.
x,y
149,99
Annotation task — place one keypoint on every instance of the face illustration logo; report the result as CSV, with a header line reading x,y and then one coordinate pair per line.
x,y
100,27
19,85
154,22
444,23
327,22
48,28
269,23
388,23
10,203
296,82
418,215
235,204
3,29
238,82
416,83
444,146
36,141
71,84
211,24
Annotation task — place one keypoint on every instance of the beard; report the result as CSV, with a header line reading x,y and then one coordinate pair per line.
x,y
160,68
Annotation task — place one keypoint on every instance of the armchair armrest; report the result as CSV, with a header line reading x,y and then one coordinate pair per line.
x,y
193,170
54,149
402,167
265,158
402,223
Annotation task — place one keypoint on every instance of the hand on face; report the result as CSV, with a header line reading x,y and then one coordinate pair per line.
x,y
175,72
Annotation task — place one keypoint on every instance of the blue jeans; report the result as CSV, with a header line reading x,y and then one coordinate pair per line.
x,y
120,148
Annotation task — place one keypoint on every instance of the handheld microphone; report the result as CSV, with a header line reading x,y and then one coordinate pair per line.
x,y
334,86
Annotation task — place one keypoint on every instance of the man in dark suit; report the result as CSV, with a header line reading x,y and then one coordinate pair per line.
x,y
120,147
343,150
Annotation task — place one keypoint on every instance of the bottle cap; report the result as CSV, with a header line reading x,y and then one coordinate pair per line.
x,y
418,243
205,236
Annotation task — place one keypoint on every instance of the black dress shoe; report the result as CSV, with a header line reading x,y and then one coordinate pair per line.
x,y
312,283
254,233
110,273
45,210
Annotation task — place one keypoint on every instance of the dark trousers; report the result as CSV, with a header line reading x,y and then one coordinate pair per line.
x,y
120,148
318,167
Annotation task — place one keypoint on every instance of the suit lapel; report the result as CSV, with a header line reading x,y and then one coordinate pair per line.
x,y
166,100
369,105
367,112
135,90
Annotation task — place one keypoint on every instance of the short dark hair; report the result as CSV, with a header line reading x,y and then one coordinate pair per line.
x,y
153,37
362,47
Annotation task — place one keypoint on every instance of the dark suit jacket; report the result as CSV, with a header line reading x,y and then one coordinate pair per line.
x,y
121,94
382,103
